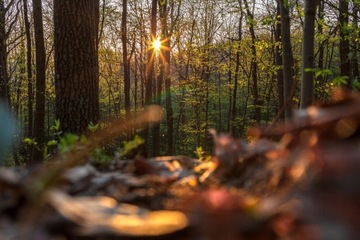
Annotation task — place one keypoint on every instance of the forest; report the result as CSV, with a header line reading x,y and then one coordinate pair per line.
x,y
219,64
179,119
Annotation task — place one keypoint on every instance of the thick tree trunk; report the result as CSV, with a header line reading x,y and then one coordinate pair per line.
x,y
307,82
76,63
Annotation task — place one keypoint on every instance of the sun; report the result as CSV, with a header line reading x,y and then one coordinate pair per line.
x,y
157,44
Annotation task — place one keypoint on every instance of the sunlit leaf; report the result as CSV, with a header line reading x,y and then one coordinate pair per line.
x,y
52,143
98,215
151,224
28,141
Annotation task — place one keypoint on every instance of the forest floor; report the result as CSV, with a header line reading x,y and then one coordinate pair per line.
x,y
295,181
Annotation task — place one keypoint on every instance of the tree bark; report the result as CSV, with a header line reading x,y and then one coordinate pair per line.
x,y
345,68
30,93
39,116
150,64
254,67
355,46
234,124
76,63
126,62
321,46
287,59
307,82
278,63
4,91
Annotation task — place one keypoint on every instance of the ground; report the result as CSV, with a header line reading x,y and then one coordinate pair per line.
x,y
299,180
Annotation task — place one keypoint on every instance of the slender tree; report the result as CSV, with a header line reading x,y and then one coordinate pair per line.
x,y
40,55
355,45
254,64
4,91
169,105
321,47
126,62
278,61
76,63
344,45
29,71
287,57
307,82
150,61
234,126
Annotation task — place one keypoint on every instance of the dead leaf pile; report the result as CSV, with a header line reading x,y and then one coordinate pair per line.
x,y
299,180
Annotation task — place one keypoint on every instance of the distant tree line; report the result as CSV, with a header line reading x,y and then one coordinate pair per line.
x,y
221,64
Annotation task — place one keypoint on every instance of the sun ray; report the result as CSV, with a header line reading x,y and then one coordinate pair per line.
x,y
157,44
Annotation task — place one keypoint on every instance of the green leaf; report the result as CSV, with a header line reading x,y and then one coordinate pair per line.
x,y
56,126
52,143
67,142
339,81
93,127
131,145
28,141
356,83
199,152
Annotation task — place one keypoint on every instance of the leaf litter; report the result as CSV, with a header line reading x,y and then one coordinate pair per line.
x,y
299,180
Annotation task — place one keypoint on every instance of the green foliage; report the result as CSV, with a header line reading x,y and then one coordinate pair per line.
x,y
319,72
340,81
67,142
93,127
99,157
267,21
29,141
250,21
129,146
201,154
356,84
56,130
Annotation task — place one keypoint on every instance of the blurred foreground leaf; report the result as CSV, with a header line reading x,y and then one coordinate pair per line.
x,y
102,215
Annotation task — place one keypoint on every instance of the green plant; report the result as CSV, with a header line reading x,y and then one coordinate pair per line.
x,y
93,127
201,154
130,146
339,81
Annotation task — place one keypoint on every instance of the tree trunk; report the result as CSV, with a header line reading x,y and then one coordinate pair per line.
x,y
355,46
76,63
234,124
4,91
169,107
150,63
278,63
39,117
254,67
344,41
29,74
321,46
287,59
307,82
126,63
